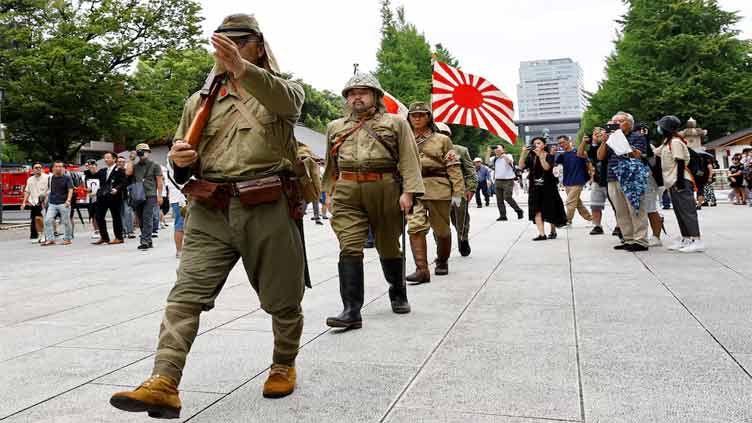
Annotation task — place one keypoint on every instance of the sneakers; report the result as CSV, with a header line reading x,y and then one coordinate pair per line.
x,y
597,230
94,235
693,246
654,242
281,381
145,246
157,396
677,245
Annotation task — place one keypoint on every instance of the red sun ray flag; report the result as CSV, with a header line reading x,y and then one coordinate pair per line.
x,y
464,99
394,106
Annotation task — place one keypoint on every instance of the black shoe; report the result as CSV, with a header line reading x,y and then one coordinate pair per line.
x,y
325,217
637,248
351,291
520,214
480,206
666,207
552,235
713,205
616,232
597,230
154,235
397,289
314,218
319,222
540,238
487,203
625,247
464,248
502,219
144,246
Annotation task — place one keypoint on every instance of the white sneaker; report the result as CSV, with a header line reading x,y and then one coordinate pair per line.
x,y
693,246
654,242
678,244
95,235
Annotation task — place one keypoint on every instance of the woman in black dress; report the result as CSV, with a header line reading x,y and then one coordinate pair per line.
x,y
544,201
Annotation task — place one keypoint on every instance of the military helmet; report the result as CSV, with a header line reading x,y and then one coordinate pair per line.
x,y
239,25
669,124
444,128
363,80
420,107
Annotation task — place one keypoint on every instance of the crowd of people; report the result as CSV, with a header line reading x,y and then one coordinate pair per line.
x,y
622,169
137,192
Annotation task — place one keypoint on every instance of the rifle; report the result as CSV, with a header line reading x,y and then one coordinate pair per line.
x,y
193,135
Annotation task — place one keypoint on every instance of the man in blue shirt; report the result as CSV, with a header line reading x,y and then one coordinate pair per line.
x,y
576,175
634,226
483,173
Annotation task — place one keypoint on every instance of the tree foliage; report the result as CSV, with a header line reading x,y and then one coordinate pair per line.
x,y
320,107
405,71
64,64
679,57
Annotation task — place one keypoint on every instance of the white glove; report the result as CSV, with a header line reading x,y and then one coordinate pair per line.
x,y
456,201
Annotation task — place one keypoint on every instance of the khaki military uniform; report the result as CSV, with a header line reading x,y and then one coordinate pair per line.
x,y
356,205
442,177
248,135
460,215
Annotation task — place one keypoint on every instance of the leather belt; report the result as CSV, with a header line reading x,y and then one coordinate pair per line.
x,y
362,176
434,173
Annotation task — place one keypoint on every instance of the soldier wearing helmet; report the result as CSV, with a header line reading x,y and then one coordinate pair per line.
x,y
445,186
460,216
246,151
372,175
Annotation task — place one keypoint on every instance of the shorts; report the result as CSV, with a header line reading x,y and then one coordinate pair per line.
x,y
179,219
651,196
598,196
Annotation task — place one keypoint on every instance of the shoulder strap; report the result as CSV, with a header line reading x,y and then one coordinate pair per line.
x,y
377,137
342,138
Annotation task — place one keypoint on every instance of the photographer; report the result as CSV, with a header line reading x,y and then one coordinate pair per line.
x,y
674,155
144,175
544,202
627,190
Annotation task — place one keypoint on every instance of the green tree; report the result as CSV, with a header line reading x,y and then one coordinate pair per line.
x,y
64,64
320,107
679,57
156,93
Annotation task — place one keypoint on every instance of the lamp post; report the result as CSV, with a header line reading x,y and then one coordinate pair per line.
x,y
2,141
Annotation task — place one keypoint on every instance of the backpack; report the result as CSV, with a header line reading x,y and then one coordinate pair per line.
x,y
698,165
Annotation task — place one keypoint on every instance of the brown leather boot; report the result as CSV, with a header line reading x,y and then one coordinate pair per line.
x,y
158,396
421,274
281,381
443,249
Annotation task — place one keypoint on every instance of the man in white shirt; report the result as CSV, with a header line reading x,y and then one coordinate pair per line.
x,y
503,166
35,194
177,201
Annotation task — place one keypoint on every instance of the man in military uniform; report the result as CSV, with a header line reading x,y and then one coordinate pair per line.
x,y
460,215
372,175
442,176
245,154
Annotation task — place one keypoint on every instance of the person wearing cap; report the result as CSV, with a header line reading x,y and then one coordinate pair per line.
x,y
445,187
371,177
675,156
245,157
460,216
141,169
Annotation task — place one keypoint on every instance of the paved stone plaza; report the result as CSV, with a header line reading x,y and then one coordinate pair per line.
x,y
520,332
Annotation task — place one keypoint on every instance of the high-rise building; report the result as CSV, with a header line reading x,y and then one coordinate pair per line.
x,y
551,98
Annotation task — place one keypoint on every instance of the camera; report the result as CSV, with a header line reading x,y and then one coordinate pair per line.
x,y
611,127
140,153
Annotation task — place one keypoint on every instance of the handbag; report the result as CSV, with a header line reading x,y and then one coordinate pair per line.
x,y
136,194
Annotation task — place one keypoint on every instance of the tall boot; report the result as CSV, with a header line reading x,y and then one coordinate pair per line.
x,y
443,249
397,289
421,274
351,290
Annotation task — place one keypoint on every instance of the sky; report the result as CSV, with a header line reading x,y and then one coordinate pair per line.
x,y
319,41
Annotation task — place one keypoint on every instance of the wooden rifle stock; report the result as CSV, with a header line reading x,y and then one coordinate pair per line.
x,y
193,135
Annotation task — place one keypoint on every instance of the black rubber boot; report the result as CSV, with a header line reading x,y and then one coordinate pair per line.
x,y
397,289
464,248
351,291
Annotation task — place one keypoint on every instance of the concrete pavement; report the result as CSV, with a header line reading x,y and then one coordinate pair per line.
x,y
566,330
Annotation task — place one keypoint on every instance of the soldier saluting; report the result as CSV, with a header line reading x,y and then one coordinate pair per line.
x,y
442,176
372,175
238,209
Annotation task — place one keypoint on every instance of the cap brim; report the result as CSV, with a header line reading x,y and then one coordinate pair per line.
x,y
232,34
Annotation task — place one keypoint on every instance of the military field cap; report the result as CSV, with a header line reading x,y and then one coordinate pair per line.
x,y
91,162
143,147
478,160
239,25
363,80
420,107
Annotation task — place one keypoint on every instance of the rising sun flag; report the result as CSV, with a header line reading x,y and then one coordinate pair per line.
x,y
464,99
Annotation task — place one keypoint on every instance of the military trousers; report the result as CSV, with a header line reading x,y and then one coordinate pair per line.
x,y
268,242
356,206
460,217
430,214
